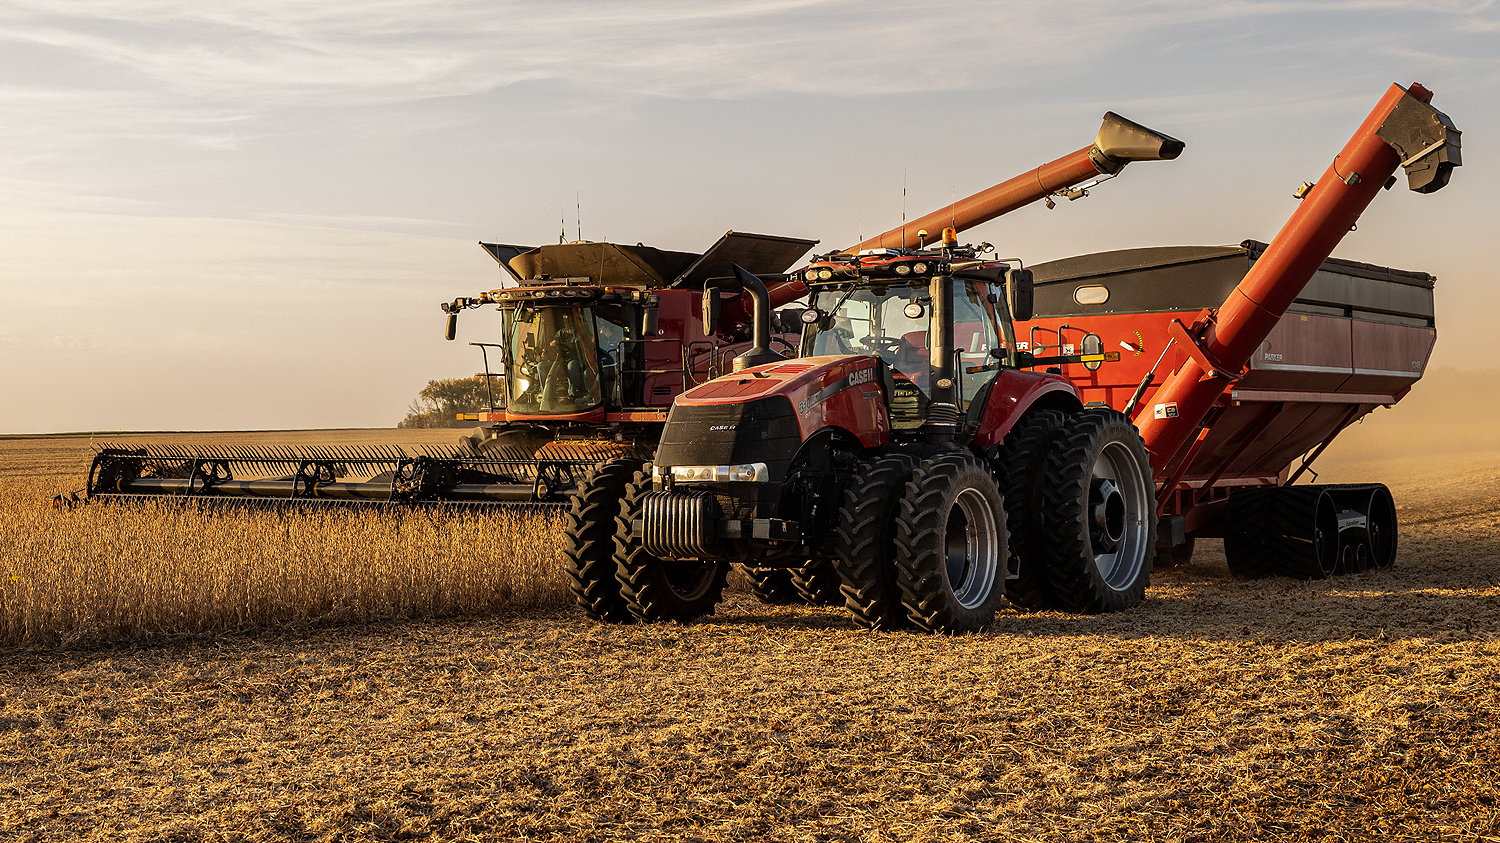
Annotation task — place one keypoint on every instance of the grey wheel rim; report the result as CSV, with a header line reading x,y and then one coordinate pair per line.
x,y
1120,501
688,580
972,553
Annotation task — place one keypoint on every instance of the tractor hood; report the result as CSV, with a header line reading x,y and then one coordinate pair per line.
x,y
836,391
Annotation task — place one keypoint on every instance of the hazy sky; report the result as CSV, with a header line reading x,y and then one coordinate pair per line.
x,y
244,214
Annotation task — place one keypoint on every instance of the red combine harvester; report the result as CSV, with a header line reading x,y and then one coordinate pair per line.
x,y
913,447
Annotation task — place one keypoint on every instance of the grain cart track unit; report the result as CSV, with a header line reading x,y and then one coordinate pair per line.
x,y
914,447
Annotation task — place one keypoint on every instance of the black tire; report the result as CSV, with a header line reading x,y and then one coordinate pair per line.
x,y
657,589
866,542
1022,463
1098,514
817,583
771,586
951,545
1306,527
1171,557
1251,548
589,549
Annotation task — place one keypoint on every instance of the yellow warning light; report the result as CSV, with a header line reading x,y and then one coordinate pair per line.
x,y
950,236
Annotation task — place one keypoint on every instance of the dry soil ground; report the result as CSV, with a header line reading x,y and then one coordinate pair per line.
x,y
1359,708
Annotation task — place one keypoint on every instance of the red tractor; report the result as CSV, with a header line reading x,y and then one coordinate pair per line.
x,y
913,447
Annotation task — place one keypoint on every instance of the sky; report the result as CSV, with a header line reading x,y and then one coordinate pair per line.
x,y
243,215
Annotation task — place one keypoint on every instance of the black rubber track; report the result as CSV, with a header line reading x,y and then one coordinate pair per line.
x,y
589,541
866,542
771,586
658,590
1251,546
1294,521
1066,549
817,583
1021,462
1171,557
927,592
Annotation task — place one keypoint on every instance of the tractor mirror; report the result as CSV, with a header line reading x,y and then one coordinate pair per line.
x,y
710,304
452,330
1019,294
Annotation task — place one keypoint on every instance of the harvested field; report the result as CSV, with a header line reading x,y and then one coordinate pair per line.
x,y
1364,707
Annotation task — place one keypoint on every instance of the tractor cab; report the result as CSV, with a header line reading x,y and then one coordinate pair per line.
x,y
880,302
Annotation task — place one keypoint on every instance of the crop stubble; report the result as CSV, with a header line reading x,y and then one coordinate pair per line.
x,y
1358,708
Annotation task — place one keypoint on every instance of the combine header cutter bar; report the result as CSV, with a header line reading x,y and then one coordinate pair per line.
x,y
348,475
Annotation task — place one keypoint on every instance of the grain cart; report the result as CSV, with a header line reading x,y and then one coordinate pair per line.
x,y
914,433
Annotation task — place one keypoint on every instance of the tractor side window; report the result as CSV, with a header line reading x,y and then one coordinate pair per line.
x,y
973,337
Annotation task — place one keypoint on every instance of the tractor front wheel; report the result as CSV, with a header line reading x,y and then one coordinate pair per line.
x,y
589,541
661,589
951,545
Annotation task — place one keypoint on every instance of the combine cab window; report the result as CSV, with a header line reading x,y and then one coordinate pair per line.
x,y
553,361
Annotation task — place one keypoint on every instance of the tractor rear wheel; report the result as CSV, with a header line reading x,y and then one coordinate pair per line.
x,y
589,548
771,586
817,583
1022,461
951,545
1098,514
866,542
660,589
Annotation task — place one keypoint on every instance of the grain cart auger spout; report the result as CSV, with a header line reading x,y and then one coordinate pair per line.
x,y
870,464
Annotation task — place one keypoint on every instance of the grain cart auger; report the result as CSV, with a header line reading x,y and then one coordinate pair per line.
x,y
878,443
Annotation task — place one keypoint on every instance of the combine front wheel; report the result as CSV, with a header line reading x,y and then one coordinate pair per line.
x,y
660,589
1098,516
589,548
951,546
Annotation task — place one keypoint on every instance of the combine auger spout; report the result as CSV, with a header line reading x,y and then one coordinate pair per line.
x,y
347,475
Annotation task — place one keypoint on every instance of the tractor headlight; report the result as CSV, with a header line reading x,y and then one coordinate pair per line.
x,y
919,268
825,274
754,472
903,269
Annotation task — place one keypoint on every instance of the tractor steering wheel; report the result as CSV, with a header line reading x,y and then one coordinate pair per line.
x,y
882,344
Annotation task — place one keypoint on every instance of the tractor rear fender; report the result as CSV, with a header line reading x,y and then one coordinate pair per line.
x,y
1012,394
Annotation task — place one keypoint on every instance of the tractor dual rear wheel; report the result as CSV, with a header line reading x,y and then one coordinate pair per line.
x,y
1021,464
951,545
589,543
1098,514
660,589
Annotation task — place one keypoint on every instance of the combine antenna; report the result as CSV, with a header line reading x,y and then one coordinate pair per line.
x,y
562,227
578,211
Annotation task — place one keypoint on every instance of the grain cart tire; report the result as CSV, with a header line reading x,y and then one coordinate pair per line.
x,y
1305,520
817,583
1021,462
771,586
1381,512
1250,546
951,545
866,542
1098,514
589,543
659,589
1171,557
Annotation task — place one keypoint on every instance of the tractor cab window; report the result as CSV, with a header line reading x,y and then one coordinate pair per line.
x,y
974,335
868,322
552,364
